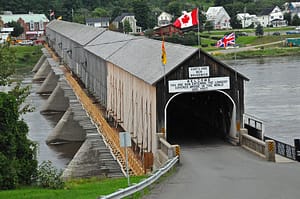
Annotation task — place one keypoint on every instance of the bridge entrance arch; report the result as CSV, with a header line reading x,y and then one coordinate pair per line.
x,y
200,117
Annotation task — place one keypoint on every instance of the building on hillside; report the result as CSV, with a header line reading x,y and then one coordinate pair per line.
x,y
272,17
119,22
100,22
4,34
247,20
293,8
167,30
219,17
34,24
164,19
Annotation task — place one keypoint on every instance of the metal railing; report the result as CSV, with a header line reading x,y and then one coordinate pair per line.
x,y
143,184
284,149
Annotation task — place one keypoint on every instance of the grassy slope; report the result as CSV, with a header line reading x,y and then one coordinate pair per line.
x,y
84,189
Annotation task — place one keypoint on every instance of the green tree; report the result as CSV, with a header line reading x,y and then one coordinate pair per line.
x,y
142,13
288,17
18,29
235,23
296,20
127,28
100,12
259,31
18,164
209,26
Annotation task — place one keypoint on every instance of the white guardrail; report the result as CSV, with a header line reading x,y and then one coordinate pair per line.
x,y
143,184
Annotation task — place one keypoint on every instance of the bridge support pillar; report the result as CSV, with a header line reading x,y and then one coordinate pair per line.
x,y
57,102
49,84
270,150
67,130
43,72
39,63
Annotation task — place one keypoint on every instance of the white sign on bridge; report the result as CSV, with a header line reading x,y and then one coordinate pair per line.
x,y
201,84
199,71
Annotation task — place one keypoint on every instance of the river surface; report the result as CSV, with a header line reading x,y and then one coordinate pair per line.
x,y
40,126
273,94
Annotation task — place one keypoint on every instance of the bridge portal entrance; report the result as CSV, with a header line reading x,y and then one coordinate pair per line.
x,y
200,117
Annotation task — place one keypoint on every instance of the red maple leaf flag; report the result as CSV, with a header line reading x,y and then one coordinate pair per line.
x,y
188,19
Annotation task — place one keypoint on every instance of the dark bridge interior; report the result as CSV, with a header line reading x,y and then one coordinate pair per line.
x,y
200,117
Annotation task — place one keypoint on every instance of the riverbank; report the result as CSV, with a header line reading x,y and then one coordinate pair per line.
x,y
258,52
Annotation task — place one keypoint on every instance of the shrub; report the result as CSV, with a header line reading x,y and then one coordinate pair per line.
x,y
48,176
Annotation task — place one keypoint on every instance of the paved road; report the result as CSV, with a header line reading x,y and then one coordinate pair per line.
x,y
228,172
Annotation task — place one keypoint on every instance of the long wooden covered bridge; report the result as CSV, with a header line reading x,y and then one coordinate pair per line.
x,y
193,96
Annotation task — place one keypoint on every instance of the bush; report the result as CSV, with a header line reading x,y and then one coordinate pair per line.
x,y
48,176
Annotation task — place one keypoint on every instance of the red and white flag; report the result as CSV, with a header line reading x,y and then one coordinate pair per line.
x,y
188,19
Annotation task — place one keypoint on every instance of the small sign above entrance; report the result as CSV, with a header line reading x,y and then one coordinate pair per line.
x,y
200,84
199,71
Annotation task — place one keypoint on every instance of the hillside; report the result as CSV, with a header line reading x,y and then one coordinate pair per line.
x,y
145,10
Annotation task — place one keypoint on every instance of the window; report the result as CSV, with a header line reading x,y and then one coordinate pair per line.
x,y
41,25
31,25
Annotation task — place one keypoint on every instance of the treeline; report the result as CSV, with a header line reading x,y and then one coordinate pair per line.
x,y
146,11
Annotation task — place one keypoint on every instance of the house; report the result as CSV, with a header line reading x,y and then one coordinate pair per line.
x,y
219,17
127,17
247,19
164,19
272,17
167,30
34,24
293,8
4,34
100,22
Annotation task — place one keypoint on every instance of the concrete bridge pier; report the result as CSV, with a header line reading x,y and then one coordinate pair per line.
x,y
93,159
57,101
39,63
66,130
50,83
43,72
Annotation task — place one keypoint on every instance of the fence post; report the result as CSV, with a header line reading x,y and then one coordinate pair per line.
x,y
297,149
270,150
242,132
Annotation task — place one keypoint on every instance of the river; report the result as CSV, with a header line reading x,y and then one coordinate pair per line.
x,y
273,94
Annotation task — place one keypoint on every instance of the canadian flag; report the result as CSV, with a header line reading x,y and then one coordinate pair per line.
x,y
188,19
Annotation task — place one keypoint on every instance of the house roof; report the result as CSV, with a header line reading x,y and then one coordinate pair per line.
x,y
26,17
266,11
212,11
121,17
96,20
79,33
138,56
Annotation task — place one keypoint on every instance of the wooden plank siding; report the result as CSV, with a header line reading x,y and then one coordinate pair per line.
x,y
132,102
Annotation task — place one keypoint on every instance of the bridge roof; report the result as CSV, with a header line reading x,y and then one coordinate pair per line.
x,y
139,56
78,33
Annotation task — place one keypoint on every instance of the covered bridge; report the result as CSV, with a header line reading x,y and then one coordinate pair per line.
x,y
193,96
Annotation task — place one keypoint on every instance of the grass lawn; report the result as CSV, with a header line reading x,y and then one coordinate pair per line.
x,y
84,189
27,57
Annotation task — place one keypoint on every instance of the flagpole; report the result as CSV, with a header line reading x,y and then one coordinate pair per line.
x,y
198,35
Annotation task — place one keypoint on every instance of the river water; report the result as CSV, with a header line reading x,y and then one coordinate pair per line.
x,y
42,125
273,94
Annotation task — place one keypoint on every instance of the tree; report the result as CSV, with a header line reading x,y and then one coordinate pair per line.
x,y
99,12
18,164
209,26
288,17
18,29
259,31
127,28
296,20
142,13
235,23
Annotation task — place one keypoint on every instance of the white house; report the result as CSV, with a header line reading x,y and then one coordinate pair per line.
x,y
247,19
272,17
293,8
100,22
127,17
219,17
164,19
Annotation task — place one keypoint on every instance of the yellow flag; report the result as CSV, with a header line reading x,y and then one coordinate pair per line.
x,y
59,18
163,53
